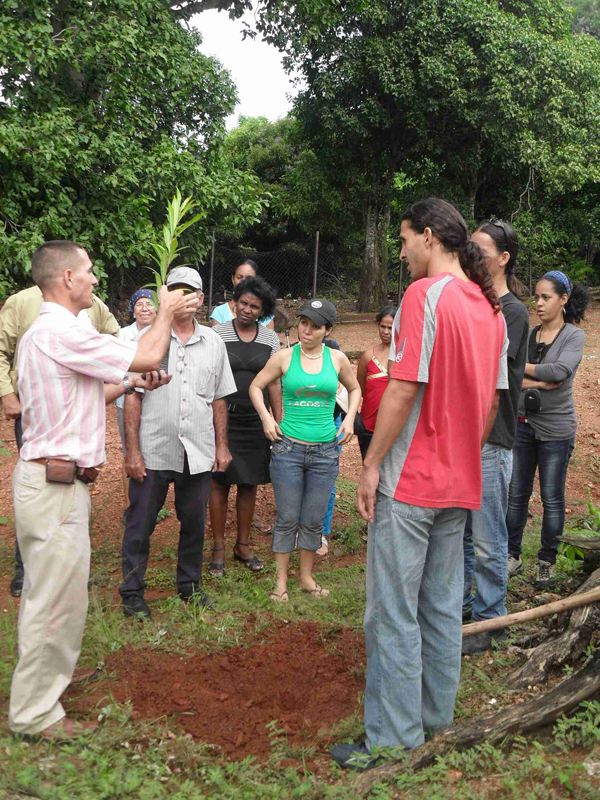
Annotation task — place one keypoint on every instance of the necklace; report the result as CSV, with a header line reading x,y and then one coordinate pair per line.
x,y
313,358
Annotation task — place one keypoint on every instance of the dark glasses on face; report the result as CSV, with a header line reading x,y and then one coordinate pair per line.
x,y
185,289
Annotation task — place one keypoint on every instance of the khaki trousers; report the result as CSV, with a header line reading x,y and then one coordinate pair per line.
x,y
52,521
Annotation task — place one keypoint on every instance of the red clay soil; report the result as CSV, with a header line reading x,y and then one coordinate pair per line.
x,y
229,698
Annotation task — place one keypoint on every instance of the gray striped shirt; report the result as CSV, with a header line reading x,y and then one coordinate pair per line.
x,y
178,418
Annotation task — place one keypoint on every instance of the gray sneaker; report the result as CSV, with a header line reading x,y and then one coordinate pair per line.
x,y
515,566
545,575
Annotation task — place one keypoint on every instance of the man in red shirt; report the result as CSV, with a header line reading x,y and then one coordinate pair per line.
x,y
421,474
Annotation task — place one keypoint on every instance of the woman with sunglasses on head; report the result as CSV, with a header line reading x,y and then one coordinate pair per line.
x,y
547,420
485,529
227,310
372,375
304,450
249,347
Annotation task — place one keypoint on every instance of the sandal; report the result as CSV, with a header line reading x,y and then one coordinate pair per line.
x,y
217,568
279,598
318,591
254,564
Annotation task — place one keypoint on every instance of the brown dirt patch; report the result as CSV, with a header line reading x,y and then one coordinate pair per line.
x,y
295,676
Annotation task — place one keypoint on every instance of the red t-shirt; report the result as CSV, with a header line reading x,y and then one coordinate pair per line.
x,y
447,338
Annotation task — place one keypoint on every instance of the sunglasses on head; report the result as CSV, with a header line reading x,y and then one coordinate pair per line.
x,y
498,223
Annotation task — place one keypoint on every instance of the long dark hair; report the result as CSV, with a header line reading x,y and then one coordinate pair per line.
x,y
574,309
258,286
250,263
505,240
450,229
386,311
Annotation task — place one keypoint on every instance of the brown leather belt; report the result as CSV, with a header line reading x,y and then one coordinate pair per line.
x,y
85,474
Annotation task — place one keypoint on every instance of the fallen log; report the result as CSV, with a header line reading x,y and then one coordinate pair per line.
x,y
520,718
573,601
589,543
567,646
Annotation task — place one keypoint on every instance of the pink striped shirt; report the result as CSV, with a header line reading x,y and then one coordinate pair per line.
x,y
62,367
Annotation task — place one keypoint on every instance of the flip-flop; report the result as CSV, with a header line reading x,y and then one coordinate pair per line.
x,y
318,591
279,597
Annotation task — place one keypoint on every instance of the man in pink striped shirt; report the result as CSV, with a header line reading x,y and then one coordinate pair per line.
x,y
63,366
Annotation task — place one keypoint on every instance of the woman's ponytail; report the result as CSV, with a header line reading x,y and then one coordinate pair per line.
x,y
473,264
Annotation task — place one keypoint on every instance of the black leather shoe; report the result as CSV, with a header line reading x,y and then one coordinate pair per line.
x,y
191,593
16,585
134,605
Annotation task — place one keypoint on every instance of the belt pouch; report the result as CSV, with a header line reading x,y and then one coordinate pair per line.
x,y
58,471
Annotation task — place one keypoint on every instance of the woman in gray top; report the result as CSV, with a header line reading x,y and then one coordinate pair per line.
x,y
547,421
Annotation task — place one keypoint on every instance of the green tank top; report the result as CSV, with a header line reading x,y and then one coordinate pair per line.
x,y
309,400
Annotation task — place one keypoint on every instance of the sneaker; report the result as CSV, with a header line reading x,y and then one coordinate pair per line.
x,y
544,577
134,605
480,642
353,756
16,585
515,566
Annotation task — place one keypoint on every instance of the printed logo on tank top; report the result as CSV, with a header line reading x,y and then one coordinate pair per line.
x,y
309,392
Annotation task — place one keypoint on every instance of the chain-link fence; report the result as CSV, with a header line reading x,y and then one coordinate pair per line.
x,y
297,269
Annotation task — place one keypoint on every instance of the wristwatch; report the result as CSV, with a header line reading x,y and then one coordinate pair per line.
x,y
129,389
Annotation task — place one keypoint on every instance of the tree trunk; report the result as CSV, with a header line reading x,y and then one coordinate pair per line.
x,y
373,282
520,718
566,647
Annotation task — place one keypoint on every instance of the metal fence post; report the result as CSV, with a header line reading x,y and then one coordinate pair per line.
x,y
530,278
314,291
212,270
400,283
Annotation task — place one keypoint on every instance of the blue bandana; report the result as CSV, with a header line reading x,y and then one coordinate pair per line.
x,y
561,278
137,296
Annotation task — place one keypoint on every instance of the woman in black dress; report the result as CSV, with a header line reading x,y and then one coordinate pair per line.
x,y
249,346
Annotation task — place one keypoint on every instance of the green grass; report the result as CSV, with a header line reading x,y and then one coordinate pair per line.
x,y
145,759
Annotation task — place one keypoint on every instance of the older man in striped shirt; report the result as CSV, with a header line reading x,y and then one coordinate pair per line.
x,y
63,366
176,436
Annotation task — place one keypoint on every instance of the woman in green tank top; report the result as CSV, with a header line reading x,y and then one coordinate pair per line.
x,y
304,453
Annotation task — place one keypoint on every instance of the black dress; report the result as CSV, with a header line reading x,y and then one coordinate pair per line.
x,y
249,447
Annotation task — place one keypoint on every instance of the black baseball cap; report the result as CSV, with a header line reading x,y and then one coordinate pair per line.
x,y
321,312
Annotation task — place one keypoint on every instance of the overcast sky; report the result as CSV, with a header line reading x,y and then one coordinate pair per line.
x,y
254,66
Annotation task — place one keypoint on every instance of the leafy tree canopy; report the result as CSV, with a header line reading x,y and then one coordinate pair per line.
x,y
105,109
485,91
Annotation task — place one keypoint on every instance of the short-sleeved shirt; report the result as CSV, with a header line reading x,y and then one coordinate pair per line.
x,y
177,419
223,313
247,359
63,363
516,317
447,338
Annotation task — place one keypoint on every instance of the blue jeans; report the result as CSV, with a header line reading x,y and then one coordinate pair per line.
x,y
303,476
331,507
486,535
412,621
552,458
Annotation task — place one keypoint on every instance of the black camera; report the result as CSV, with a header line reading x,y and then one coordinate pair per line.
x,y
533,399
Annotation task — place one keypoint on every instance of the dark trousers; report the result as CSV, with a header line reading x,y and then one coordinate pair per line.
x,y
145,501
552,459
19,439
